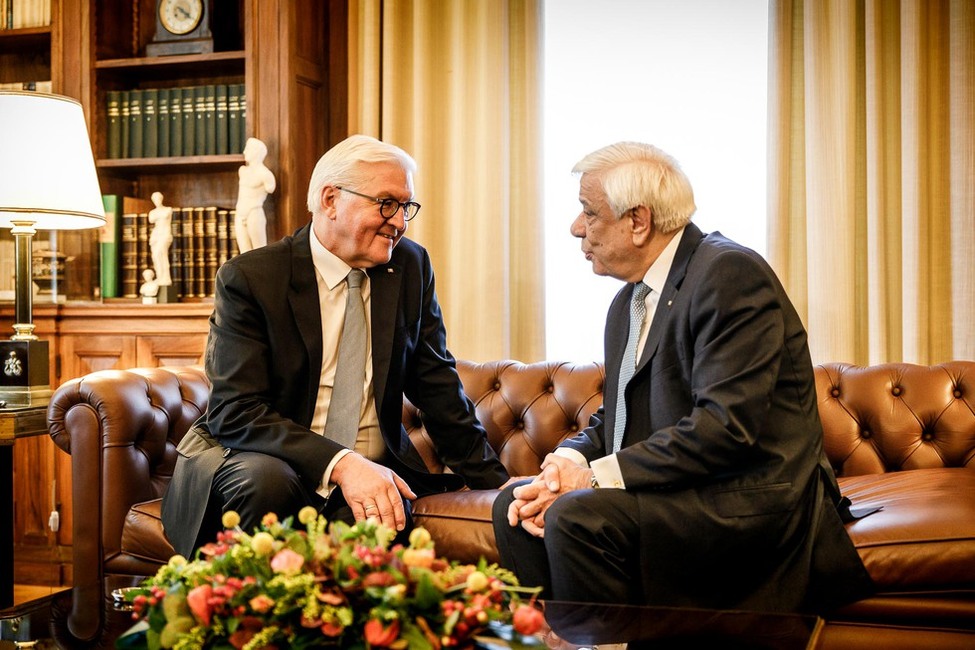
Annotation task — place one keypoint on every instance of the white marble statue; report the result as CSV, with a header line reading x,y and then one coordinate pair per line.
x,y
160,239
150,288
256,182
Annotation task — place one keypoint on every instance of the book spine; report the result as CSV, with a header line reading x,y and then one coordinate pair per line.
x,y
130,263
200,115
162,122
189,268
150,123
210,248
189,122
135,124
223,236
112,99
221,125
175,122
142,242
108,247
232,249
176,253
124,119
242,122
234,145
210,118
199,253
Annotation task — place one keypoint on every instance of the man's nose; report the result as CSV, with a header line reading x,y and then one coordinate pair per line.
x,y
578,228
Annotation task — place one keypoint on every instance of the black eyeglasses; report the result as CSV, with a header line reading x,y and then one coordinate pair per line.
x,y
388,207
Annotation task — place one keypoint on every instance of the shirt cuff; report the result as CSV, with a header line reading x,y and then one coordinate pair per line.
x,y
325,487
607,471
572,455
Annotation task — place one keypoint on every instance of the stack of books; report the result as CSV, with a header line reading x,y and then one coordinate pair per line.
x,y
203,239
186,121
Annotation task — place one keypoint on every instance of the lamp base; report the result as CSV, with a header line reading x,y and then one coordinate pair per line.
x,y
24,373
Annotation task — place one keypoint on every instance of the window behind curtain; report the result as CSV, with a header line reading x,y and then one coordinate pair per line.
x,y
688,76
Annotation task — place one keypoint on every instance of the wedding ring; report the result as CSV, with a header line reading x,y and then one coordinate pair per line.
x,y
370,507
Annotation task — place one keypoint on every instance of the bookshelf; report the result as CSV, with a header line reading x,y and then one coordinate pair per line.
x,y
290,58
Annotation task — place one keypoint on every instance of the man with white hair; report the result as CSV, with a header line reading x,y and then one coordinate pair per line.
x,y
701,481
314,339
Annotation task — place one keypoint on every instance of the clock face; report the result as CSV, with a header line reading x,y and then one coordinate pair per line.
x,y
180,16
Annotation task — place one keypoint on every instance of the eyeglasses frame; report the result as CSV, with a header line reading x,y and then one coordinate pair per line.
x,y
406,207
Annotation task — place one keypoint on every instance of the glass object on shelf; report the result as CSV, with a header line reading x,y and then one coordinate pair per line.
x,y
64,266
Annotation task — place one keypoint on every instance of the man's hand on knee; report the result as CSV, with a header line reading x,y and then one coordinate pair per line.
x,y
372,490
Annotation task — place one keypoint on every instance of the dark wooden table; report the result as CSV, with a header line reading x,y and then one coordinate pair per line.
x,y
17,422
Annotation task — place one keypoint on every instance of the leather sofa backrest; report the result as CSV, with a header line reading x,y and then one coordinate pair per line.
x,y
876,419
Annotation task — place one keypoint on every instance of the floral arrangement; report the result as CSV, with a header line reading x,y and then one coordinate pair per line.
x,y
324,585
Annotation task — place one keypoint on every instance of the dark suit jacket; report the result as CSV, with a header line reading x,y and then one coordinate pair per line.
x,y
264,357
723,443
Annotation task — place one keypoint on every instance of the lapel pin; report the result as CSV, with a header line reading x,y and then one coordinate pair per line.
x,y
670,302
389,270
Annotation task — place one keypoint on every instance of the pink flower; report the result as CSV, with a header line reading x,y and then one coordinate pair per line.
x,y
287,562
261,603
199,601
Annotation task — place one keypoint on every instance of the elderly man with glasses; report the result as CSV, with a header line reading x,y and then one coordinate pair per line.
x,y
314,340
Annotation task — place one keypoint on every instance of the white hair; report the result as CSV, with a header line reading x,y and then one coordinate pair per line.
x,y
343,165
633,173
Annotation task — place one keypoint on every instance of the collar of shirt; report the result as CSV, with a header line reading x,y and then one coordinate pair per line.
x,y
656,276
329,266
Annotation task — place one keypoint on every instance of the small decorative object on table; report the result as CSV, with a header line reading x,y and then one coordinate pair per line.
x,y
324,585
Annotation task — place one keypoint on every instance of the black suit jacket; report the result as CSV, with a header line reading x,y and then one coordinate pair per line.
x,y
723,443
264,357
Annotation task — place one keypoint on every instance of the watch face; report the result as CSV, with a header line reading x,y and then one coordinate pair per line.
x,y
180,16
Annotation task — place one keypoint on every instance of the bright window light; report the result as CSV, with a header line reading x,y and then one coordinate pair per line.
x,y
688,76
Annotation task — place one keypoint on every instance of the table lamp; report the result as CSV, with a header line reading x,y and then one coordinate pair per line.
x,y
47,182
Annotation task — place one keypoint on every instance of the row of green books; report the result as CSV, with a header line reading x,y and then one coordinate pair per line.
x,y
184,121
203,239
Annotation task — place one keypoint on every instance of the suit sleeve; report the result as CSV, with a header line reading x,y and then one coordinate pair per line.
x,y
241,412
722,390
432,384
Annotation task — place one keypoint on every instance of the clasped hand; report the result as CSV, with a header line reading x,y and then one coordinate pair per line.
x,y
532,500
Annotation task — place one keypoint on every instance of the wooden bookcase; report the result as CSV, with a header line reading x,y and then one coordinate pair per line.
x,y
291,57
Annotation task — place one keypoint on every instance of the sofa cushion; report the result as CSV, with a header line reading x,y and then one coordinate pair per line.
x,y
460,524
143,539
925,532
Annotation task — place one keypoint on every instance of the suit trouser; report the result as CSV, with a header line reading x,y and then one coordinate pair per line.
x,y
590,552
254,484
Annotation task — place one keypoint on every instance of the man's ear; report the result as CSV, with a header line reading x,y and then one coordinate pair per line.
x,y
641,224
327,200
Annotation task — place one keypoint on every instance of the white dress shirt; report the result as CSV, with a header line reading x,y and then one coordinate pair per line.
x,y
607,469
330,271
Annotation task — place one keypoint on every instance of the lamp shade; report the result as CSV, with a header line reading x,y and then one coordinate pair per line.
x,y
47,171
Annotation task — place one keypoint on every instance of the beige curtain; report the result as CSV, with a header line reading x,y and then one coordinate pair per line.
x,y
872,175
457,84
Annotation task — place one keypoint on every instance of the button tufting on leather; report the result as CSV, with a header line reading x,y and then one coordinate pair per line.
x,y
957,393
865,434
497,385
927,436
835,392
550,388
896,391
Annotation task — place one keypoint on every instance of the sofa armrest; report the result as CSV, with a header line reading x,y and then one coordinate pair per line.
x,y
121,428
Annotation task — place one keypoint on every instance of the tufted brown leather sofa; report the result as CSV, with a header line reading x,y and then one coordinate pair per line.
x,y
900,436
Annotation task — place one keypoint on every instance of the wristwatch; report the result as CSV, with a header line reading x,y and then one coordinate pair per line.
x,y
593,482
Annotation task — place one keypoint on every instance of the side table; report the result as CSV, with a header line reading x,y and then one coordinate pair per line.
x,y
17,422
